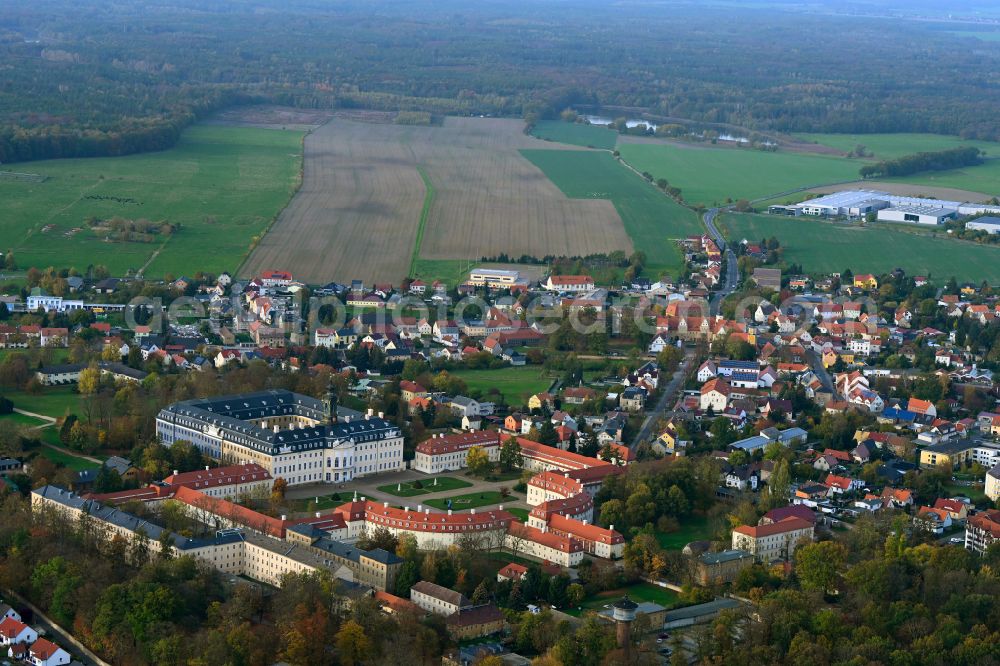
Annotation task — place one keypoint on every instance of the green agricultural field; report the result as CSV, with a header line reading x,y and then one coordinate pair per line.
x,y
223,185
576,134
984,178
652,220
889,146
710,175
470,501
55,402
986,36
825,247
408,489
515,384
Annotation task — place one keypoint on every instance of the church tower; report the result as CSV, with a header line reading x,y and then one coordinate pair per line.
x,y
330,409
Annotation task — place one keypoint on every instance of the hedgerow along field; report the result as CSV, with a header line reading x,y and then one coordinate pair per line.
x,y
653,221
364,203
576,134
825,247
709,176
223,185
890,146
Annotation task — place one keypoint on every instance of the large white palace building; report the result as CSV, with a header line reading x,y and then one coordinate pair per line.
x,y
298,438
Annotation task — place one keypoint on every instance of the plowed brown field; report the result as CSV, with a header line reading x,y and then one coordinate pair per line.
x,y
358,211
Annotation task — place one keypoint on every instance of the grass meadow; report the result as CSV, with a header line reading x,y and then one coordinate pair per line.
x,y
516,384
223,185
652,220
824,247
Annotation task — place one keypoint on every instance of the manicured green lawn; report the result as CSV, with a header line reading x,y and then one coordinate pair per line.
x,y
576,134
520,514
823,247
66,460
974,493
639,592
889,146
21,419
223,185
470,501
694,528
409,490
50,355
517,384
710,175
55,402
652,220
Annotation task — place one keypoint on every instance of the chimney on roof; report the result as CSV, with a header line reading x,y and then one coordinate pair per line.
x,y
473,512
370,412
420,507
501,507
381,415
284,517
406,508
176,472
317,514
363,498
449,512
385,505
585,522
427,512
611,527
206,468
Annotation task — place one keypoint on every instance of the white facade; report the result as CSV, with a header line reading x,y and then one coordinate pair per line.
x,y
52,303
917,214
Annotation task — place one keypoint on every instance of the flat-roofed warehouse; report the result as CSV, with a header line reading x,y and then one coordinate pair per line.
x,y
990,224
918,214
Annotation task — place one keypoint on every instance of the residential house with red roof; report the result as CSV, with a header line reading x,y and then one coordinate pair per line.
x,y
14,631
569,283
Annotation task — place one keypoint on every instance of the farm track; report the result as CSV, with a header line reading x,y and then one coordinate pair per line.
x,y
360,211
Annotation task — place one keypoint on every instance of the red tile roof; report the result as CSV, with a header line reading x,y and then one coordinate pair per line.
x,y
43,649
458,442
513,571
781,527
587,532
548,539
11,628
220,476
427,520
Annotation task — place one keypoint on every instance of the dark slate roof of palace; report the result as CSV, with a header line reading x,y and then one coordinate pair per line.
x,y
235,413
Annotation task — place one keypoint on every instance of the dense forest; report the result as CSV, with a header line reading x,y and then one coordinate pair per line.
x,y
89,78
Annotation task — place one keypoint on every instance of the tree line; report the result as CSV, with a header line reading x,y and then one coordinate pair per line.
x,y
942,160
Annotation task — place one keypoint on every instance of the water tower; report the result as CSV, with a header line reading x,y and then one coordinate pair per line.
x,y
624,615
